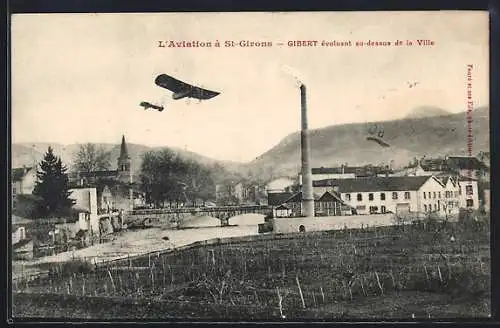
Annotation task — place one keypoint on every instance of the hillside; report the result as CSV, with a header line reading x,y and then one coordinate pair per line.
x,y
427,111
409,138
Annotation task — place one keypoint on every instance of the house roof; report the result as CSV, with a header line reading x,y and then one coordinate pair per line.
x,y
462,178
334,170
278,198
297,197
19,173
99,174
18,220
445,178
21,243
330,197
402,183
357,170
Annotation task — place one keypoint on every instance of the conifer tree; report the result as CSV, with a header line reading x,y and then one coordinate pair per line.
x,y
52,185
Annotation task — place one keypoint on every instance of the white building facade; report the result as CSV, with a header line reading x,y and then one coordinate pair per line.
x,y
468,193
86,200
419,195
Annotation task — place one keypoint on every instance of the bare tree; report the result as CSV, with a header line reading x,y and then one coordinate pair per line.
x,y
91,158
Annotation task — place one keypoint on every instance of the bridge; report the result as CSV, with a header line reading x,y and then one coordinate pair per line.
x,y
172,217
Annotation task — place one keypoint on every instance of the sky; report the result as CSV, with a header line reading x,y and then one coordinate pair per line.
x,y
80,77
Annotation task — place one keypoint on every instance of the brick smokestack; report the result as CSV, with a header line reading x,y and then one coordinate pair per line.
x,y
307,186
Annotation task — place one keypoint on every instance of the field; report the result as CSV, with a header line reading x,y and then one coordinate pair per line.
x,y
133,243
432,270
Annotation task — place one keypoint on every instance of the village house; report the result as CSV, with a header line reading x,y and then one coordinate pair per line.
x,y
23,180
328,204
451,165
276,200
86,208
398,195
22,245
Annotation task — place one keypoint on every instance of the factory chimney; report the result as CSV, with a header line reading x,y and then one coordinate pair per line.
x,y
307,186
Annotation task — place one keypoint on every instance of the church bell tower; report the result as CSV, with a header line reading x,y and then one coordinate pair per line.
x,y
124,172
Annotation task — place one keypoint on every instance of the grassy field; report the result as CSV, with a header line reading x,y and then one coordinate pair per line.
x,y
391,272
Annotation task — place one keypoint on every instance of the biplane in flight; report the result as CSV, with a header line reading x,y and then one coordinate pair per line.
x,y
147,105
182,90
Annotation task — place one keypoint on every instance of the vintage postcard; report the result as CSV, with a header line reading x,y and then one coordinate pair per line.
x,y
251,166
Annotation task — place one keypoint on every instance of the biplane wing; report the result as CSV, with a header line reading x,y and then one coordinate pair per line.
x,y
379,141
147,105
182,89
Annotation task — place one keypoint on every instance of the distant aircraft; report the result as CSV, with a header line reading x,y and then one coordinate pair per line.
x,y
376,134
182,89
379,141
411,85
147,105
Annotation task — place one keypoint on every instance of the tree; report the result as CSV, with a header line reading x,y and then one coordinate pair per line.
x,y
52,186
162,176
91,158
165,176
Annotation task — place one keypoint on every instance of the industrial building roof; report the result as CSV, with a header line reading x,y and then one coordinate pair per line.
x,y
404,183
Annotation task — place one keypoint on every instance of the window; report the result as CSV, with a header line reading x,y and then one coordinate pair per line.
x,y
370,196
348,197
382,208
425,208
373,209
424,195
470,203
407,195
439,195
429,194
14,191
468,190
359,197
435,207
382,196
434,195
394,195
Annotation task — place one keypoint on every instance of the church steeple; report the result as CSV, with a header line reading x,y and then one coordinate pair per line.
x,y
124,159
123,150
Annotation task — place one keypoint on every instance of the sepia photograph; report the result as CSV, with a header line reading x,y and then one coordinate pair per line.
x,y
250,166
